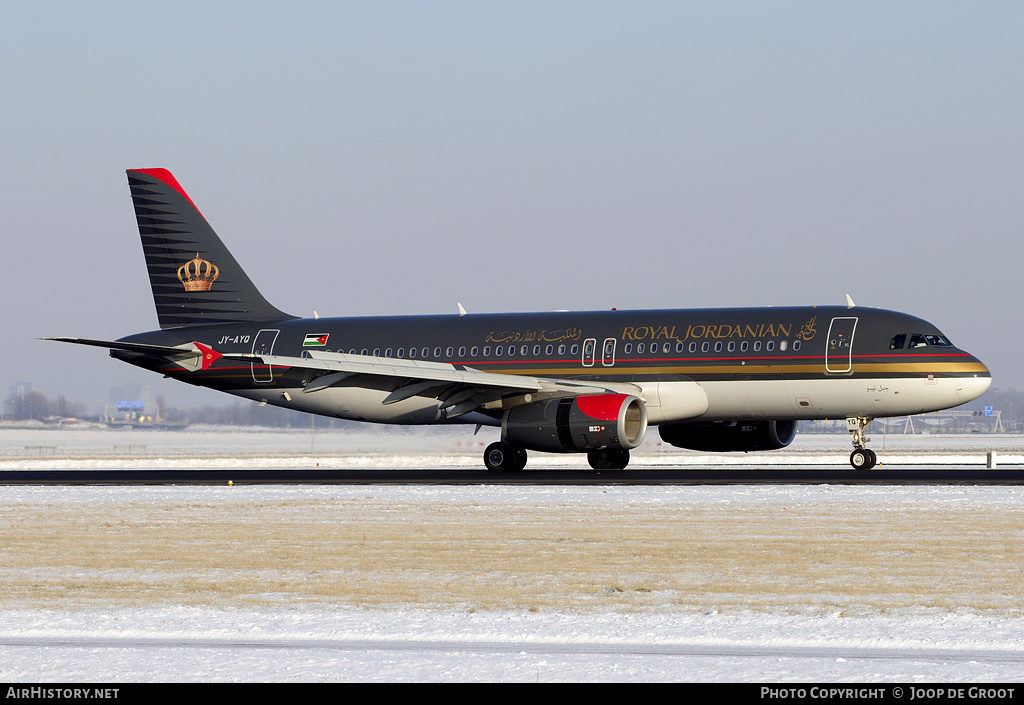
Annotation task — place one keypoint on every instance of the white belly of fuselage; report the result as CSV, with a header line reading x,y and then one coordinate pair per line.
x,y
666,402
837,397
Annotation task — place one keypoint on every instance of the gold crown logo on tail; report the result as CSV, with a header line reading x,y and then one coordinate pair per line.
x,y
198,274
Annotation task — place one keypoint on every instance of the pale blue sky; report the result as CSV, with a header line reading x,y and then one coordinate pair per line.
x,y
397,157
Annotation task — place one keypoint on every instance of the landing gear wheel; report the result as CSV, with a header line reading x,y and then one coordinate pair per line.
x,y
608,459
501,456
863,459
520,461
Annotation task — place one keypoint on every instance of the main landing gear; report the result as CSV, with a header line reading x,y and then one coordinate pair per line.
x,y
505,457
862,457
608,459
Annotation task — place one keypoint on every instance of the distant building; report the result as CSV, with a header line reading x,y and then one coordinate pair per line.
x,y
20,390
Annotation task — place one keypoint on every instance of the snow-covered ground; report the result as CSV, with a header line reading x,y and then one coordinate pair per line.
x,y
371,446
800,640
183,644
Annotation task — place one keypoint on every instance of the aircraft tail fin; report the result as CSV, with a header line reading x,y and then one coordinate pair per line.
x,y
194,277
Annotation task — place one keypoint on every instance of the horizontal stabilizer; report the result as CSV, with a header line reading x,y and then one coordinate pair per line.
x,y
192,356
142,348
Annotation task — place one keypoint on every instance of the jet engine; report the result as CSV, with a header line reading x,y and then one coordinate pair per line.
x,y
575,424
724,436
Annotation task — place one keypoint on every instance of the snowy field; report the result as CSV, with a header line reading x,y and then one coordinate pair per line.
x,y
498,583
368,446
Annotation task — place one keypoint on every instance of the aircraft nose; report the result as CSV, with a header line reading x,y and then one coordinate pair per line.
x,y
970,388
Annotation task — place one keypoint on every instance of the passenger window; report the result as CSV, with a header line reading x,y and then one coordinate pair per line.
x,y
376,352
796,345
426,353
487,351
917,341
757,345
627,348
718,346
437,352
640,347
666,348
449,351
401,352
575,349
548,350
732,346
387,353
693,347
770,346
898,341
536,350
474,351
679,347
363,351
783,345
561,349
744,345
462,351
705,346
497,350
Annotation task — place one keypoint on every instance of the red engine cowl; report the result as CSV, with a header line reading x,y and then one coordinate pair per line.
x,y
577,424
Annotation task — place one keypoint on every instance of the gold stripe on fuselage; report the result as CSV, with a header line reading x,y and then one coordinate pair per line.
x,y
861,368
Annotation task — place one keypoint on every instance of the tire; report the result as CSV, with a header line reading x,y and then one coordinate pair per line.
x,y
863,459
520,461
608,459
501,456
621,459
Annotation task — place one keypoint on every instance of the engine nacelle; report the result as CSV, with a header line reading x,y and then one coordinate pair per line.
x,y
724,436
576,424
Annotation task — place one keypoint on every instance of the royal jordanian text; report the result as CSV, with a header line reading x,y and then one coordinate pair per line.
x,y
63,693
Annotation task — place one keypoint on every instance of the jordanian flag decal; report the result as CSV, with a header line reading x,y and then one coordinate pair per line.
x,y
315,340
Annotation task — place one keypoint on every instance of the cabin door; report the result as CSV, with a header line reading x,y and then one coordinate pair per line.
x,y
608,352
839,345
589,352
263,345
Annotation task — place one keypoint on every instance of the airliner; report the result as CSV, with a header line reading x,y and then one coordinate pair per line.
x,y
715,380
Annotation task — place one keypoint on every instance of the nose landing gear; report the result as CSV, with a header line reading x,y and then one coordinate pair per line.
x,y
862,457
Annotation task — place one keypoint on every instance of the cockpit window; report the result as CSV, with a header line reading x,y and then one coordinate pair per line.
x,y
920,340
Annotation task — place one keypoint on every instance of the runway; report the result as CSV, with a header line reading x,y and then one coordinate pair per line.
x,y
717,475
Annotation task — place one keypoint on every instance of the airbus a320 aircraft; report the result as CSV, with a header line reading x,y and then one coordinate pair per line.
x,y
560,382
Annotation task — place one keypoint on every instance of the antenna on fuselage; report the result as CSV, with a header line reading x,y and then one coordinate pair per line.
x,y
849,302
462,311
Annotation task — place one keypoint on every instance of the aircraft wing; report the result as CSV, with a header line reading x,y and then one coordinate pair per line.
x,y
461,389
